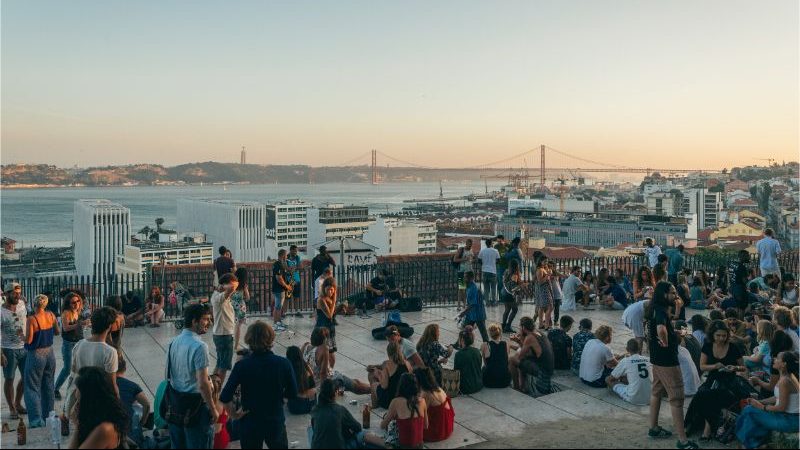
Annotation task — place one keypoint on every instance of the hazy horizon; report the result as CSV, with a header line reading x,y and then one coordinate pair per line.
x,y
680,84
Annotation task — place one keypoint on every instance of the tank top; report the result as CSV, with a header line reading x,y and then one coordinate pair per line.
x,y
310,358
794,401
410,432
545,362
440,422
44,332
496,374
223,438
70,318
386,396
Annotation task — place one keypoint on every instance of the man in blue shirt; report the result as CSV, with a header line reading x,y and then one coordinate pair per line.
x,y
615,296
675,264
475,314
265,380
187,372
768,250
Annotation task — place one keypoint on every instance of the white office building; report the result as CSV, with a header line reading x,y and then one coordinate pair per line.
x,y
707,205
393,236
287,224
238,225
336,221
101,229
139,257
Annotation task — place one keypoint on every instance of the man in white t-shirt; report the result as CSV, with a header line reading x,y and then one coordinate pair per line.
x,y
571,287
631,378
224,323
633,318
597,361
94,352
691,380
652,251
488,258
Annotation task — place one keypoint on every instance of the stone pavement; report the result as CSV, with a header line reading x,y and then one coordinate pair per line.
x,y
490,415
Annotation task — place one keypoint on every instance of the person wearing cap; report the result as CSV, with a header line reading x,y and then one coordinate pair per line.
x,y
320,262
14,324
408,348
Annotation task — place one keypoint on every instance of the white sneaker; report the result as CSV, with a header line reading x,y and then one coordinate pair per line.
x,y
280,327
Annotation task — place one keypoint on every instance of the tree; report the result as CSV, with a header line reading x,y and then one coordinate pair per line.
x,y
159,222
146,232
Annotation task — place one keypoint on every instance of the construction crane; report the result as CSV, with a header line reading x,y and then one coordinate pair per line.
x,y
769,160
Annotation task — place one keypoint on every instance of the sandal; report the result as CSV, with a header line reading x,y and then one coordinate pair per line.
x,y
14,416
706,438
21,410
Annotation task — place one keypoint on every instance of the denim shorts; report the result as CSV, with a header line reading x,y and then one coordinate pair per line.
x,y
224,345
279,298
15,360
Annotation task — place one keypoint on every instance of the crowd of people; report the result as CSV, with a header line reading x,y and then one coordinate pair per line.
x,y
739,359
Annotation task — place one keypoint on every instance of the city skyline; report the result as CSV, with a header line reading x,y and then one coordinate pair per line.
x,y
708,85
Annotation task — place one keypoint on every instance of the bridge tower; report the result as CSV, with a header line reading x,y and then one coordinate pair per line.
x,y
374,166
542,168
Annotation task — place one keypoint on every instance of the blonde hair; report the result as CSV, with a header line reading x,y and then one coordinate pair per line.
x,y
37,301
395,354
796,314
765,330
495,332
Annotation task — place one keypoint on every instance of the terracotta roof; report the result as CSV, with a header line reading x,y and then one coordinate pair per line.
x,y
705,235
741,238
562,253
744,202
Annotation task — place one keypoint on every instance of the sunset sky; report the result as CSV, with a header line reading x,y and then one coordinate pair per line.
x,y
681,84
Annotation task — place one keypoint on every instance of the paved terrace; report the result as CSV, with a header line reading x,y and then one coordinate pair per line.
x,y
576,417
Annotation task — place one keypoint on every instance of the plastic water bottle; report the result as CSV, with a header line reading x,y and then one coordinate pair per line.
x,y
54,426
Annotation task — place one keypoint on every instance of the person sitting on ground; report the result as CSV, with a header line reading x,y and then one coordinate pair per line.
x,y
468,362
697,295
441,415
386,378
614,296
699,324
782,318
130,393
643,284
633,319
586,293
631,378
597,360
738,329
407,418
383,290
332,425
755,362
781,342
133,309
789,297
691,344
767,286
690,369
433,353
100,416
115,335
561,343
495,359
579,341
778,413
306,386
535,358
155,307
408,348
319,358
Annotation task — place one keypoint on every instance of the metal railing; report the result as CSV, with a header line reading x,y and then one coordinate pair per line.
x,y
429,277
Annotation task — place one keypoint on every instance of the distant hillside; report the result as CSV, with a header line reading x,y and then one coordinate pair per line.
x,y
212,172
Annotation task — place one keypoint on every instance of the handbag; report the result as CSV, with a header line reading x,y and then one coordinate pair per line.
x,y
451,382
178,408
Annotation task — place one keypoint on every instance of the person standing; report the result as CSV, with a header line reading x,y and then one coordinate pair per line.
x,y
262,418
502,248
675,265
72,327
667,375
293,262
326,311
224,323
14,325
488,258
320,262
239,301
651,251
475,314
224,264
187,374
40,363
512,295
463,261
279,288
768,250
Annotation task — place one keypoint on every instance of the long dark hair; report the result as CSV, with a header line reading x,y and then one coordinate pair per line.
x,y
780,342
790,359
66,302
513,267
409,390
660,299
241,275
301,369
102,404
426,380
640,281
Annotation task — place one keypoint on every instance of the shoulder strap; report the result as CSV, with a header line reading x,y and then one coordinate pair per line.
x,y
169,364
